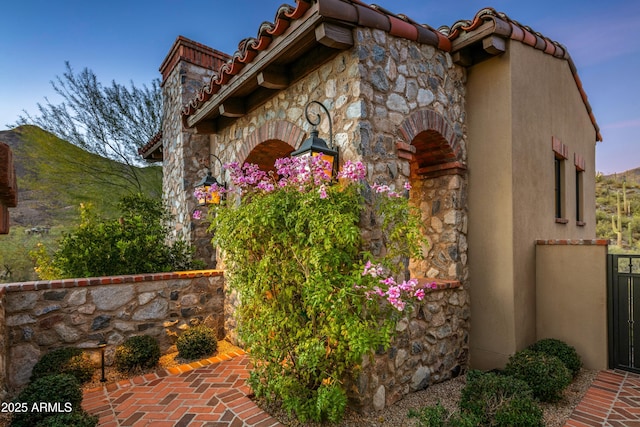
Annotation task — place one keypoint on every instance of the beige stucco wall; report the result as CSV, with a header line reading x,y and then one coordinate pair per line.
x,y
572,298
516,103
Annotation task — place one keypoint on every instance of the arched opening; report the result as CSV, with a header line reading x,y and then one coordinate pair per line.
x,y
439,190
265,154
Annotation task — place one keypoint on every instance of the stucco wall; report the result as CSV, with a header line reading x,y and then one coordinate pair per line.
x,y
517,102
571,282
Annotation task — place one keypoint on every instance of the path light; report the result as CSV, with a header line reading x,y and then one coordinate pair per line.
x,y
316,146
203,192
102,345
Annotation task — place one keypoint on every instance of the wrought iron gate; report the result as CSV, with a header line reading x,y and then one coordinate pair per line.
x,y
624,312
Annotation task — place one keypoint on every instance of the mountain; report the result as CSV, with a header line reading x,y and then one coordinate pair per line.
x,y
54,177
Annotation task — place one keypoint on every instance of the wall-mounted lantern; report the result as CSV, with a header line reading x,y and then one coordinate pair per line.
x,y
203,190
316,146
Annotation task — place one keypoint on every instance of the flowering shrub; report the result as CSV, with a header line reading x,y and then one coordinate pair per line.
x,y
313,303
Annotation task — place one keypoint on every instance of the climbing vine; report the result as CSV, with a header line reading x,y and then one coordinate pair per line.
x,y
313,303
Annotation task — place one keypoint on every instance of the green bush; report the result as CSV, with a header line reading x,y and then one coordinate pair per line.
x,y
138,352
521,412
438,416
488,394
563,351
546,375
294,251
197,342
67,360
430,416
63,389
71,419
131,244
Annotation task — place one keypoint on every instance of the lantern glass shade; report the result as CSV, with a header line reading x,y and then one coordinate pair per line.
x,y
315,146
203,189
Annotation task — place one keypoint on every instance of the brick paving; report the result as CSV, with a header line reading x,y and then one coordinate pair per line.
x,y
613,400
208,393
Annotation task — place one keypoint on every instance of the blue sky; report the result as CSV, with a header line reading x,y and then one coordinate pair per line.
x,y
126,41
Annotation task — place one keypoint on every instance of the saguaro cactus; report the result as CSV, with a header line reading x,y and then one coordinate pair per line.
x,y
617,228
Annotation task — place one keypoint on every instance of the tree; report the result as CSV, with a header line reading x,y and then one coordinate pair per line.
x,y
110,121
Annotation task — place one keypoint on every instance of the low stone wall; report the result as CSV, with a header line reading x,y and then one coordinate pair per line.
x,y
431,346
41,316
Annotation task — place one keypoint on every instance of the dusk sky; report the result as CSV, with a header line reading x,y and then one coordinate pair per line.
x,y
126,41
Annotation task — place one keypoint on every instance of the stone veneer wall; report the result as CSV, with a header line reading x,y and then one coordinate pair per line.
x,y
186,157
41,316
370,91
431,346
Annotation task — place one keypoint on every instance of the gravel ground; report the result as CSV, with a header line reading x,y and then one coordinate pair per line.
x,y
448,394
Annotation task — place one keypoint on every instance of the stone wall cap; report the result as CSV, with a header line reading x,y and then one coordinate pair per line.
x,y
105,280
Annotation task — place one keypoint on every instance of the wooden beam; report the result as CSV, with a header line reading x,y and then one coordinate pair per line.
x,y
335,36
233,107
494,45
274,78
279,47
206,127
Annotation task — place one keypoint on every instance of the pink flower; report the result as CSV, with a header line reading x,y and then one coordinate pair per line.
x,y
419,294
323,191
353,171
197,214
407,185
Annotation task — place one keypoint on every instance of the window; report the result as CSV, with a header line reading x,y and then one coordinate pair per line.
x,y
579,207
580,166
559,181
560,154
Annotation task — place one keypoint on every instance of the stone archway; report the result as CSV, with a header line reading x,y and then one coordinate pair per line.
x,y
439,189
431,145
270,141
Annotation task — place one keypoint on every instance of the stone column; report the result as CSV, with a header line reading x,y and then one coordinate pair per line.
x,y
185,70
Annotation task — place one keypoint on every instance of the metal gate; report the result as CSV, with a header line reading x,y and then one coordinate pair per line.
x,y
624,312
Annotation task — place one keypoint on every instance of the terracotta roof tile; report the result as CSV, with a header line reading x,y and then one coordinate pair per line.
x,y
529,37
362,14
349,11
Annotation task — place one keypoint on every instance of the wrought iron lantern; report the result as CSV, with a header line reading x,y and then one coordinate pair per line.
x,y
316,146
203,189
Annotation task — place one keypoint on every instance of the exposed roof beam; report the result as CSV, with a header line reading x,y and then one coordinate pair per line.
x,y
273,78
335,36
232,107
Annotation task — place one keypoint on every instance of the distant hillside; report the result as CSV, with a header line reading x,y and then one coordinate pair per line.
x,y
54,177
610,189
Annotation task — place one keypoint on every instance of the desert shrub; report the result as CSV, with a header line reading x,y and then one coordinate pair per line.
x,y
63,389
197,342
430,416
546,375
137,352
75,419
563,351
438,416
488,394
521,412
66,360
131,244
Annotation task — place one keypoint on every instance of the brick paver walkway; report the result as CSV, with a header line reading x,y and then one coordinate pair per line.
x,y
211,393
613,400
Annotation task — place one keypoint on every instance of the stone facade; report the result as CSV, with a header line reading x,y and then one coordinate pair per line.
x,y
185,154
42,316
431,345
393,104
3,349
